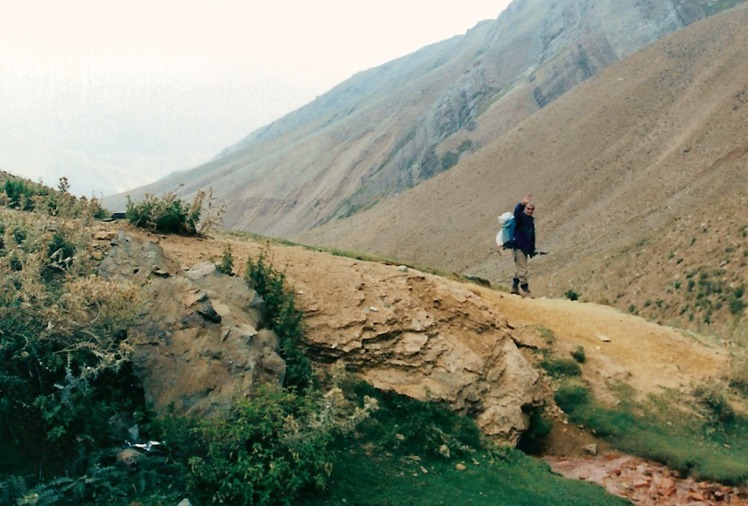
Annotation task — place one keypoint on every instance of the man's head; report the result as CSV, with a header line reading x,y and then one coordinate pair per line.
x,y
530,209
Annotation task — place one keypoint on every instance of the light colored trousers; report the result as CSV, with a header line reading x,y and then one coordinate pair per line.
x,y
520,266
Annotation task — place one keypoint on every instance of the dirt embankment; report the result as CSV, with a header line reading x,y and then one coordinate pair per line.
x,y
618,348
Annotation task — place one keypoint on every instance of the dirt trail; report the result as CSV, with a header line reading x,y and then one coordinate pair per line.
x,y
618,347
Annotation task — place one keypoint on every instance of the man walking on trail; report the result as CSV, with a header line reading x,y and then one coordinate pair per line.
x,y
524,244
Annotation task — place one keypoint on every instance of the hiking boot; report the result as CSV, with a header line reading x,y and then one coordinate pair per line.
x,y
515,291
527,293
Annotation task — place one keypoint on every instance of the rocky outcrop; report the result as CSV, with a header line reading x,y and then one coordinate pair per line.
x,y
424,337
201,337
202,342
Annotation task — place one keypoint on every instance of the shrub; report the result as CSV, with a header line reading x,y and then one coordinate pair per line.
x,y
261,451
571,395
60,253
739,291
286,320
63,348
738,372
561,367
167,214
571,295
227,262
274,448
170,214
578,354
24,195
737,306
20,193
710,398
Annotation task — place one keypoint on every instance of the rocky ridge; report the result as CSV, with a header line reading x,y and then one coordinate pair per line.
x,y
204,343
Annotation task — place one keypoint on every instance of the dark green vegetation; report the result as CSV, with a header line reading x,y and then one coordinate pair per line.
x,y
286,320
571,295
699,434
65,372
24,195
167,214
410,452
171,215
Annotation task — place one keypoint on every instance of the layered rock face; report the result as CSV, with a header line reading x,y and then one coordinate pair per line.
x,y
424,337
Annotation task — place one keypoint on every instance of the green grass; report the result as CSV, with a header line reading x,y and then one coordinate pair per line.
x,y
408,452
561,367
513,479
660,431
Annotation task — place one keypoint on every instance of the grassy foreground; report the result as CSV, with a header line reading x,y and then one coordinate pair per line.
x,y
415,453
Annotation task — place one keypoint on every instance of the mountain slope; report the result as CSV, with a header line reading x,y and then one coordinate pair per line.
x,y
389,128
639,175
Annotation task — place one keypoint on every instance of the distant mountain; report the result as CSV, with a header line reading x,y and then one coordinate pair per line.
x,y
636,153
640,177
390,128
51,161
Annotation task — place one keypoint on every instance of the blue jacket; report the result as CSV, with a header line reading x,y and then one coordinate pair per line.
x,y
524,230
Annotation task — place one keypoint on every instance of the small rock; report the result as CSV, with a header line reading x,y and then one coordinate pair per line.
x,y
160,273
403,268
591,449
603,338
444,451
460,467
129,456
105,236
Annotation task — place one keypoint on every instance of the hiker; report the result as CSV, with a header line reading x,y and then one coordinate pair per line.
x,y
524,244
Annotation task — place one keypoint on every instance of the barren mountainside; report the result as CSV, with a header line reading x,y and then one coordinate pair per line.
x,y
640,177
389,128
637,160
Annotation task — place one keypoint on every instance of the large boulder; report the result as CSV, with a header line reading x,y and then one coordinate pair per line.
x,y
201,339
422,336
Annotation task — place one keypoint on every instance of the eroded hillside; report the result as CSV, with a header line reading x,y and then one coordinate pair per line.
x,y
639,176
390,128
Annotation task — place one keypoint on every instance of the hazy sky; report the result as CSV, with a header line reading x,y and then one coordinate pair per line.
x,y
116,94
